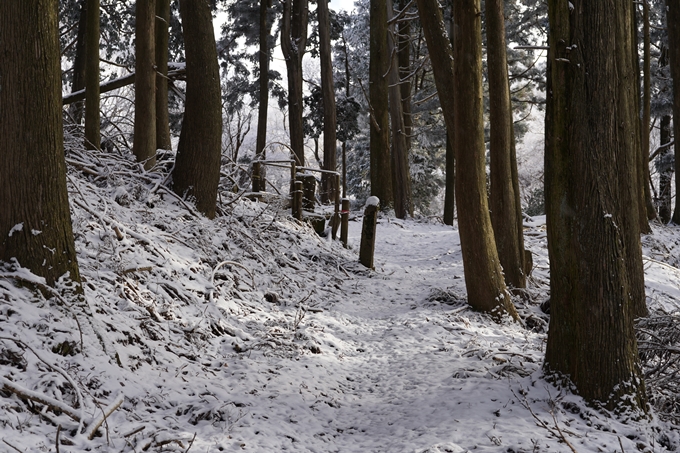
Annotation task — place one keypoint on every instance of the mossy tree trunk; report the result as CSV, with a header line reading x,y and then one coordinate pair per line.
x,y
199,152
592,201
462,84
35,222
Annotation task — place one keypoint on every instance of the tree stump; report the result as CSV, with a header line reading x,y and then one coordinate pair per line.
x,y
367,247
344,216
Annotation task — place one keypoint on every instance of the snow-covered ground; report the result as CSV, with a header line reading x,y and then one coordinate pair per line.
x,y
251,333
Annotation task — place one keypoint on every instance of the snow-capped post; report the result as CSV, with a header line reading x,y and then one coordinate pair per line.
x,y
368,232
297,200
344,216
256,176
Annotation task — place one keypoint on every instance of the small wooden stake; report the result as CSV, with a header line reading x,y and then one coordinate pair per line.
x,y
344,216
367,247
297,200
256,177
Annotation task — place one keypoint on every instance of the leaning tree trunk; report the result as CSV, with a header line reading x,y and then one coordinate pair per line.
x,y
328,180
381,167
144,144
197,166
673,25
293,43
35,221
401,174
92,123
506,209
450,182
483,275
162,55
592,201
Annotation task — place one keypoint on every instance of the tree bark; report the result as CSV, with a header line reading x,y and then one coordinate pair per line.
x,y
78,82
162,55
381,167
665,172
404,57
293,43
592,201
92,120
401,174
462,84
144,144
506,209
197,166
35,222
673,26
450,182
328,189
262,113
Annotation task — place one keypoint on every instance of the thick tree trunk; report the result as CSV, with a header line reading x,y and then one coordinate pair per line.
x,y
262,113
144,144
592,201
665,168
35,222
483,275
92,122
381,166
673,25
197,167
78,82
328,189
506,210
162,54
293,43
401,174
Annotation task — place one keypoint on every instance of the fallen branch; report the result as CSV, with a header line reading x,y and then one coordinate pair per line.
x,y
39,398
105,414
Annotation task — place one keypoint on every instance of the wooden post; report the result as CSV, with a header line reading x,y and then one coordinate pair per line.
x,y
367,247
297,200
309,196
293,173
344,215
256,177
336,215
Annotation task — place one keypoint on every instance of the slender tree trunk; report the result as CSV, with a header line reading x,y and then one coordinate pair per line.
x,y
92,122
673,25
35,222
401,174
646,112
404,57
162,55
262,113
592,200
293,43
78,83
665,168
450,183
197,167
381,167
506,210
144,144
329,114
483,275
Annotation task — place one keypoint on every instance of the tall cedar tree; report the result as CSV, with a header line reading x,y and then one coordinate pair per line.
x,y
592,200
401,174
673,25
450,182
162,54
144,145
35,222
506,209
197,166
483,275
293,43
381,167
328,93
263,61
92,121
